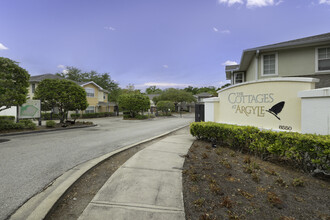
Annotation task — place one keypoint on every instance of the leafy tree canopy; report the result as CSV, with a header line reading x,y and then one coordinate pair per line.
x,y
61,93
195,90
165,106
153,90
14,83
102,79
175,95
134,103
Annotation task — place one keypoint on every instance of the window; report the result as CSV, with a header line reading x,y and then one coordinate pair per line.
x,y
90,109
33,87
238,78
104,96
269,64
90,92
323,59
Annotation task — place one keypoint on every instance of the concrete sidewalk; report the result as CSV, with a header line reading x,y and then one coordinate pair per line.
x,y
147,186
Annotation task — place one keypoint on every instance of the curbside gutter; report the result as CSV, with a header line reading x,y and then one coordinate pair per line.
x,y
46,130
38,206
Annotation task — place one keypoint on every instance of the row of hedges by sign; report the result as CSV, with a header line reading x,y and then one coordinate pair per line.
x,y
8,123
93,115
306,151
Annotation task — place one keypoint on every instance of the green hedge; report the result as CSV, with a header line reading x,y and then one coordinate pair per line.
x,y
306,151
6,125
8,118
138,117
50,124
93,115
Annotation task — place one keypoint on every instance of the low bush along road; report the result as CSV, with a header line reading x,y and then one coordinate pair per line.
x,y
28,163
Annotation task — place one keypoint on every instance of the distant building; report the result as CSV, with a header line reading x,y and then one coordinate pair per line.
x,y
97,97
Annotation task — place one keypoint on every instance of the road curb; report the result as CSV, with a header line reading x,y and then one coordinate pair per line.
x,y
46,130
38,206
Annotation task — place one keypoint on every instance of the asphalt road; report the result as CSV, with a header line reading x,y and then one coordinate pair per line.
x,y
28,163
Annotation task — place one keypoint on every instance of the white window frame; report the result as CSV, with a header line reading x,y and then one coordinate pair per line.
x,y
317,60
276,64
91,106
87,88
234,78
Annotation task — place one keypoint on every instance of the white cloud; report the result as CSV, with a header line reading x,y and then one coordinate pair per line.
x,y
230,2
221,31
165,84
225,31
258,3
110,28
3,47
324,2
229,62
165,66
65,71
61,66
279,2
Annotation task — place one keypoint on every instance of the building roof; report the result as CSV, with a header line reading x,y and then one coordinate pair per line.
x,y
39,78
203,95
297,42
248,54
151,96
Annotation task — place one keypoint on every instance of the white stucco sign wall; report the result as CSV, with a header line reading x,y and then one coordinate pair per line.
x,y
315,111
270,104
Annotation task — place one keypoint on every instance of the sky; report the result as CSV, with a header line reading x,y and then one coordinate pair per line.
x,y
167,43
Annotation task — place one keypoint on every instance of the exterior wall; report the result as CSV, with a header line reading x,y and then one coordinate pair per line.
x,y
249,103
93,101
30,94
291,62
312,121
9,112
209,111
251,71
100,96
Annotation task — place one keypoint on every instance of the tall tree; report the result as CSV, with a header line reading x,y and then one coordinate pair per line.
x,y
165,106
61,93
14,83
153,90
134,103
175,95
72,73
102,79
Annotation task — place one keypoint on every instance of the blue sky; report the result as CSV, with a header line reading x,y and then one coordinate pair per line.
x,y
168,43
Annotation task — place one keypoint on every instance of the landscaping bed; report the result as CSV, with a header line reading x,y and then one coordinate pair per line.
x,y
44,128
220,183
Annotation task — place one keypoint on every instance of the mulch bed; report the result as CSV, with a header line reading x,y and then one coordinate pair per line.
x,y
219,183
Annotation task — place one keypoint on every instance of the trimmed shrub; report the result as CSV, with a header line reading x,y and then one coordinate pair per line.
x,y
141,117
306,151
138,117
28,124
75,115
50,124
97,115
11,125
9,118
